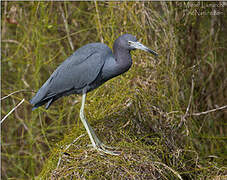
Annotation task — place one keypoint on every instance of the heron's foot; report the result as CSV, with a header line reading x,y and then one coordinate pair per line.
x,y
104,148
100,144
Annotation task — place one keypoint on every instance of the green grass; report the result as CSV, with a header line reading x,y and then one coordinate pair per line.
x,y
140,112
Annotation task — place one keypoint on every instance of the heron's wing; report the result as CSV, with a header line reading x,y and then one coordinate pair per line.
x,y
76,76
76,72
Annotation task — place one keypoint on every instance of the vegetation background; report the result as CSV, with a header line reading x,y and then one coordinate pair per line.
x,y
152,113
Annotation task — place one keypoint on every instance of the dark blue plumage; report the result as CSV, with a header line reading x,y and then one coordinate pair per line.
x,y
88,68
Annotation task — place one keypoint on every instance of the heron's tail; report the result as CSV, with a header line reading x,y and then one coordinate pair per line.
x,y
36,104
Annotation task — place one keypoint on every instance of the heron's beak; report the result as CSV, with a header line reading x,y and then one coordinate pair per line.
x,y
138,45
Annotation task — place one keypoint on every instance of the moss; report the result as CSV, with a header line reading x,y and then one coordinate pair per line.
x,y
145,112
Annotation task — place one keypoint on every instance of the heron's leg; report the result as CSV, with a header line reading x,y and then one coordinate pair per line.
x,y
84,121
91,131
97,144
97,139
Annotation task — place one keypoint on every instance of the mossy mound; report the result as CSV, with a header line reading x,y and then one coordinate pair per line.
x,y
156,114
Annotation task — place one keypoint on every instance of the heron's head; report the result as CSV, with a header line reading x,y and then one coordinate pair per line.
x,y
129,42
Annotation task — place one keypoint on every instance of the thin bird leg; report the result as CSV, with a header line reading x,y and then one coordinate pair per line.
x,y
97,144
84,121
96,139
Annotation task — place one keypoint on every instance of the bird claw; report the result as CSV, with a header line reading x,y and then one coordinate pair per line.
x,y
104,148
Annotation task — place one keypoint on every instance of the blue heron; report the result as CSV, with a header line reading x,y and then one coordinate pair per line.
x,y
86,69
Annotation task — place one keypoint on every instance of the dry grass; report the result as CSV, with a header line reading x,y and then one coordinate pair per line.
x,y
149,113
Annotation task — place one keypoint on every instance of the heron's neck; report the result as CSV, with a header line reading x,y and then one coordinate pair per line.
x,y
123,58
